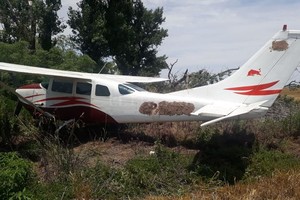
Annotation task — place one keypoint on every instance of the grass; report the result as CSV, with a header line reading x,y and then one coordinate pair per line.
x,y
229,164
231,160
281,185
294,93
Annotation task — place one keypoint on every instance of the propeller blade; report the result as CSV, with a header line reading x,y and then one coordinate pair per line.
x,y
18,108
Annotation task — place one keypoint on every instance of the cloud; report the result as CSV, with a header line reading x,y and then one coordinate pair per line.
x,y
217,34
221,34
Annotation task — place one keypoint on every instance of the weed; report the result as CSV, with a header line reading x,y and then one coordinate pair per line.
x,y
164,173
223,155
15,173
264,163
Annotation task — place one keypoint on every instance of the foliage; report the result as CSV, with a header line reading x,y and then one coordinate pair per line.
x,y
282,185
22,21
164,173
292,125
7,132
53,190
15,174
191,80
50,24
223,155
264,163
15,17
88,25
54,58
123,30
226,155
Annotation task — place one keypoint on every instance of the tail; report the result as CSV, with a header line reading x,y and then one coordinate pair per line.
x,y
261,78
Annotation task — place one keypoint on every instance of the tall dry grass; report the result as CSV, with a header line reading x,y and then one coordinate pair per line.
x,y
281,185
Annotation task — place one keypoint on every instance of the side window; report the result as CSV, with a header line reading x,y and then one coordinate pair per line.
x,y
125,90
83,88
62,86
102,90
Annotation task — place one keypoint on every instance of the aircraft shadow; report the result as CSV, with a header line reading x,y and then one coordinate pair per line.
x,y
224,156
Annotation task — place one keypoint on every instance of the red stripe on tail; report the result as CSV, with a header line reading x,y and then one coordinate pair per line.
x,y
256,90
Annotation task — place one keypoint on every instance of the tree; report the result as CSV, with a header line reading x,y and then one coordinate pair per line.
x,y
15,19
24,19
49,24
56,58
88,27
120,29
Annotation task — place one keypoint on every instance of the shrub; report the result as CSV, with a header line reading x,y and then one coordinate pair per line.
x,y
163,173
223,155
264,163
15,173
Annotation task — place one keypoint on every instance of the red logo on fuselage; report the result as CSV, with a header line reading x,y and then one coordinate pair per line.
x,y
256,90
253,72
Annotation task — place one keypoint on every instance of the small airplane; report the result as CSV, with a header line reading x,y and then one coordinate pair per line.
x,y
103,98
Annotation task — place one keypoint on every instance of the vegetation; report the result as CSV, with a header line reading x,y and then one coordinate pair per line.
x,y
15,175
232,157
23,20
231,160
123,30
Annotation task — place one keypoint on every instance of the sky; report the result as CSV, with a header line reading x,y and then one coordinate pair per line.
x,y
216,34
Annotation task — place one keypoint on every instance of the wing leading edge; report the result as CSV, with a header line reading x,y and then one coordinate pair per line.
x,y
8,67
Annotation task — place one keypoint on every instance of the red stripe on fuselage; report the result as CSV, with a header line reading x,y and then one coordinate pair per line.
x,y
88,115
31,86
36,95
67,101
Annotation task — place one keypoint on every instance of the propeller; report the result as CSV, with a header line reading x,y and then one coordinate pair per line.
x,y
18,108
45,119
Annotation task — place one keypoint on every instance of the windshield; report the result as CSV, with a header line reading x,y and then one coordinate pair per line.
x,y
45,85
137,88
123,89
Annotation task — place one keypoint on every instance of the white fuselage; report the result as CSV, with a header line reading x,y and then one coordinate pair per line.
x,y
112,102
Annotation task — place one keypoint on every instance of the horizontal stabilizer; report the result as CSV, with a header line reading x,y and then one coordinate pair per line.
x,y
242,109
215,110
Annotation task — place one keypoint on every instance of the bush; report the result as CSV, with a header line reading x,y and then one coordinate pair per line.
x,y
6,132
163,173
223,156
15,173
264,163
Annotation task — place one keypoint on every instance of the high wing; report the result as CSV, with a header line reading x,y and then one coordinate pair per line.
x,y
76,75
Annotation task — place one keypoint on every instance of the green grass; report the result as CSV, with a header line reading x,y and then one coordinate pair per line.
x,y
15,174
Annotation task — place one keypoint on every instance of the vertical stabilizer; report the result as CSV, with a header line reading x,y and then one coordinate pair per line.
x,y
262,77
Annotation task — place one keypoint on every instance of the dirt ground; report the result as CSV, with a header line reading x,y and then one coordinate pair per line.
x,y
116,153
112,151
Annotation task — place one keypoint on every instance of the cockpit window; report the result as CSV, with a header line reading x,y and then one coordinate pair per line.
x,y
45,85
123,89
83,88
137,88
102,90
62,86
